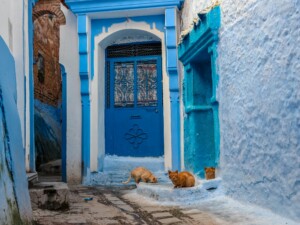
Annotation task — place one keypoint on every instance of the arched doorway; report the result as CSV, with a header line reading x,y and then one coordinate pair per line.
x,y
127,34
47,18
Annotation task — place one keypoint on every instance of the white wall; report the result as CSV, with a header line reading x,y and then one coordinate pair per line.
x,y
259,101
27,100
259,96
190,10
69,58
11,30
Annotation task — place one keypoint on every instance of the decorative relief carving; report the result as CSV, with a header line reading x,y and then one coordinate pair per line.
x,y
136,136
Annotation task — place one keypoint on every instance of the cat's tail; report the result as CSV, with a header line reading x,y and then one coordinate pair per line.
x,y
126,182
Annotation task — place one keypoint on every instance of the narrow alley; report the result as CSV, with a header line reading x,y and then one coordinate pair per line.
x,y
132,112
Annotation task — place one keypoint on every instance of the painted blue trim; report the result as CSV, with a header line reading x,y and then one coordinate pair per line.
x,y
91,6
31,87
170,25
212,50
64,123
84,90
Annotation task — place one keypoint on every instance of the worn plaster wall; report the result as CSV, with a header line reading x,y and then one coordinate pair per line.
x,y
15,207
12,26
69,58
259,64
47,77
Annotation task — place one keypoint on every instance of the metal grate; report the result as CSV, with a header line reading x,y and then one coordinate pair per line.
x,y
133,50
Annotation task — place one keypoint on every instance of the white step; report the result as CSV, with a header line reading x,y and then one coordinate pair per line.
x,y
117,169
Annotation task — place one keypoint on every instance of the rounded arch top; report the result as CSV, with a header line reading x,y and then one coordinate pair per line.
x,y
40,10
129,31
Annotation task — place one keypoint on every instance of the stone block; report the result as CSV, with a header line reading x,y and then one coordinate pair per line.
x,y
52,196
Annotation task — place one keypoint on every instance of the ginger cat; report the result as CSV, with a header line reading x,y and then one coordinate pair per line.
x,y
182,179
209,173
141,173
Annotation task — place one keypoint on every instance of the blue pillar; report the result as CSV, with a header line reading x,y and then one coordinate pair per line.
x,y
171,47
64,123
31,87
85,96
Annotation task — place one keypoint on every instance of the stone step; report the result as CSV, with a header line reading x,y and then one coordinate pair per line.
x,y
117,177
121,163
116,169
32,178
49,195
165,192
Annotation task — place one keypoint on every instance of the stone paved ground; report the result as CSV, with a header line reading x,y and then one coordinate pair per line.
x,y
109,207
113,206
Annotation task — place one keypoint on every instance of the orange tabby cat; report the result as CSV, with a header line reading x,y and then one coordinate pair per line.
x,y
209,173
141,173
182,179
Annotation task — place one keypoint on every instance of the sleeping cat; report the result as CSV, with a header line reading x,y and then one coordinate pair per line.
x,y
141,173
182,179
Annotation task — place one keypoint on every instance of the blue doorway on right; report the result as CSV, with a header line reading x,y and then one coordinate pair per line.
x,y
198,53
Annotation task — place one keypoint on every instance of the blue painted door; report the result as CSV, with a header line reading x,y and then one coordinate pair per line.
x,y
134,112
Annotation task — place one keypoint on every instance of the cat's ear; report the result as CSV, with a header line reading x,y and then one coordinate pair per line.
x,y
169,171
176,171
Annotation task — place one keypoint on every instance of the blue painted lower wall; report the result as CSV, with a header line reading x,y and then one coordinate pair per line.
x,y
15,206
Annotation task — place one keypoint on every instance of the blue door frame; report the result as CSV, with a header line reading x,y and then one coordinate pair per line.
x,y
133,130
198,53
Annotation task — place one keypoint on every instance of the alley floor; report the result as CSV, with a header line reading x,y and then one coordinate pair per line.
x,y
119,205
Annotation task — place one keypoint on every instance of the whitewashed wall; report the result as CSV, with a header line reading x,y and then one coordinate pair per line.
x,y
70,59
259,96
15,205
11,30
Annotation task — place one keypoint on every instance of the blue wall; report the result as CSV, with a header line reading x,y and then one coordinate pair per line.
x,y
259,95
15,203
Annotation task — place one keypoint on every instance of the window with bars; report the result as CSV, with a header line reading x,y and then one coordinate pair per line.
x,y
131,50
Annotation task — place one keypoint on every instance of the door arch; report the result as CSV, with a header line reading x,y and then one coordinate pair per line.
x,y
107,38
